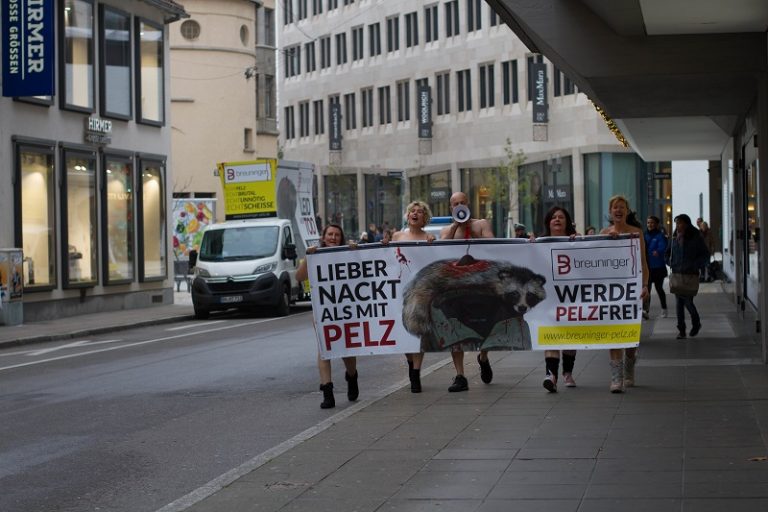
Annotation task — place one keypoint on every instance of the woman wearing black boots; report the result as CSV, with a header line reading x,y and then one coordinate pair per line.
x,y
332,236
417,216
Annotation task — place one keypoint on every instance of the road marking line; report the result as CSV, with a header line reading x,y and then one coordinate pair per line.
x,y
238,472
138,343
204,324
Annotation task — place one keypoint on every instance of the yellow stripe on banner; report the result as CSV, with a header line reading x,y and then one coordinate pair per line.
x,y
589,334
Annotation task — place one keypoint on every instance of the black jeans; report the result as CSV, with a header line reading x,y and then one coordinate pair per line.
x,y
656,278
687,303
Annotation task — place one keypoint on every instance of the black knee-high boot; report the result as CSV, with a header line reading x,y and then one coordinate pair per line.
x,y
415,376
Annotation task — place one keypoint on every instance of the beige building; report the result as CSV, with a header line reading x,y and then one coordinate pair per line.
x,y
223,92
372,57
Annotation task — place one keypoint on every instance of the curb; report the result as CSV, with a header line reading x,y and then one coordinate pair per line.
x,y
93,330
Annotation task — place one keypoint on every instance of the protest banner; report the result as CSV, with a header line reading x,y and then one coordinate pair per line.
x,y
489,294
249,188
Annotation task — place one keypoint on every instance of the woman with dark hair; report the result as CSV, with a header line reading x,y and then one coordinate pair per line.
x,y
623,360
558,222
332,236
687,252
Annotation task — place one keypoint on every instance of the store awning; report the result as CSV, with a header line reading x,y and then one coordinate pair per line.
x,y
676,77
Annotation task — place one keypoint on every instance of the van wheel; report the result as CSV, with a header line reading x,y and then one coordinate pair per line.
x,y
201,314
284,306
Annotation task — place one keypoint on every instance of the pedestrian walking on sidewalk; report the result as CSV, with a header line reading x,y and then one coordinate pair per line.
x,y
623,360
470,228
558,222
332,236
687,252
656,247
418,215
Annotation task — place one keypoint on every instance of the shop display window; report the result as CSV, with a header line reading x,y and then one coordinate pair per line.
x,y
150,95
117,224
115,63
79,232
152,221
435,190
384,201
341,202
753,222
36,228
77,75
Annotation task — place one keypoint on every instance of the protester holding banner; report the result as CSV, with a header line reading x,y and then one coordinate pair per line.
x,y
558,222
687,252
468,228
417,216
332,236
623,360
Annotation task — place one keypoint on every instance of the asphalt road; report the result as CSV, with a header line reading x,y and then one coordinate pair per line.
x,y
133,420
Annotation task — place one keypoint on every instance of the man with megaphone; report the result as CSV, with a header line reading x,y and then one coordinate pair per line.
x,y
464,227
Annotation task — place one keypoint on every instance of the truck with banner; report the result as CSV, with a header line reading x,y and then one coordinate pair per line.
x,y
250,260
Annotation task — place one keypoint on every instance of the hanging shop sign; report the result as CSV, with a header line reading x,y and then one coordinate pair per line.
x,y
540,106
28,47
425,112
334,140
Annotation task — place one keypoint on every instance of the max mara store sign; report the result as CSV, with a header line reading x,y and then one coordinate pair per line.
x,y
28,47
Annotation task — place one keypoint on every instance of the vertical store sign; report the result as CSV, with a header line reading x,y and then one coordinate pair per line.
x,y
334,140
28,47
540,113
425,112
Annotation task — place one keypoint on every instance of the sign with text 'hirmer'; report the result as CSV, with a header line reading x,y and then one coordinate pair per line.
x,y
28,47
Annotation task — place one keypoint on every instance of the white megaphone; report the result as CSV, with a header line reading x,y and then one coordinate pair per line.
x,y
460,214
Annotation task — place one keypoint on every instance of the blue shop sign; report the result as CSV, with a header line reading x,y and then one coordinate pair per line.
x,y
28,47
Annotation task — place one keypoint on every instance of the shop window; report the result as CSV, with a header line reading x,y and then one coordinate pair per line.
x,y
78,203
435,190
150,93
117,219
151,220
115,64
341,202
77,76
34,194
384,201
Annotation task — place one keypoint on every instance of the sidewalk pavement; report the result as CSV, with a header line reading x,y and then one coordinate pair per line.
x,y
692,435
96,323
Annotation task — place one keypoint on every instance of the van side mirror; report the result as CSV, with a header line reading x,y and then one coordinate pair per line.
x,y
192,259
289,252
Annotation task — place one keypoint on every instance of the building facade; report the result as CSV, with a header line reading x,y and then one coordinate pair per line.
x,y
396,101
85,181
223,93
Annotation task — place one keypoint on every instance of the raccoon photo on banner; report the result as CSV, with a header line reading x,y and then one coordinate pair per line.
x,y
490,294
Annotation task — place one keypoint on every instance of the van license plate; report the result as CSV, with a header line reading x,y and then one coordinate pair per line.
x,y
231,298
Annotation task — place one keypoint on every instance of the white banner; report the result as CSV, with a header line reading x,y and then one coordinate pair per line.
x,y
489,294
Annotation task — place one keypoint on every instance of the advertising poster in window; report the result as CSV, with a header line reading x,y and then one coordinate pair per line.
x,y
190,218
249,188
498,294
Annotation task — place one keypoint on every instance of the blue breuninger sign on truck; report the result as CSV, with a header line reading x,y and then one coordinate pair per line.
x,y
28,47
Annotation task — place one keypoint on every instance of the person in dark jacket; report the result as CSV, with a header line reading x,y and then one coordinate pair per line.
x,y
687,251
656,247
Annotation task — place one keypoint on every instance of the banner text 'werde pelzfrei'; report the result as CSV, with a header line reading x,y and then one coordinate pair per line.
x,y
492,294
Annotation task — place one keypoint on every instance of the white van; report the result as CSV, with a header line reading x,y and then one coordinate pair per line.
x,y
246,264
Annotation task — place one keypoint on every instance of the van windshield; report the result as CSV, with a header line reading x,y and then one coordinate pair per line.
x,y
236,244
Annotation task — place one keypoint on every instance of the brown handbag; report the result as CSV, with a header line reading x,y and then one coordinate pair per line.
x,y
686,285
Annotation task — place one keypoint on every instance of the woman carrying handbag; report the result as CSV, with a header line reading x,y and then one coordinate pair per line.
x,y
687,252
